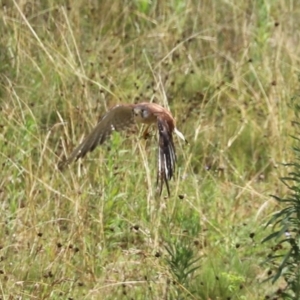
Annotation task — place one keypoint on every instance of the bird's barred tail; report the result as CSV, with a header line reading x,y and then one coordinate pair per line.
x,y
166,156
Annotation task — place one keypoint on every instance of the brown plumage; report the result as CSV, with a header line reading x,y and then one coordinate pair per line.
x,y
123,116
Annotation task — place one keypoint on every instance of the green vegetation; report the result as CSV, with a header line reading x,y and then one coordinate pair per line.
x,y
226,69
284,256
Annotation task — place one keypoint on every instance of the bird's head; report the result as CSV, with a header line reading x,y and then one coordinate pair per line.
x,y
141,114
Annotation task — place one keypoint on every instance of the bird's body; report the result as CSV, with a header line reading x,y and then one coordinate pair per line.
x,y
123,116
148,114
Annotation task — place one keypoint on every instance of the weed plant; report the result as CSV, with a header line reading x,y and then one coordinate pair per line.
x,y
284,257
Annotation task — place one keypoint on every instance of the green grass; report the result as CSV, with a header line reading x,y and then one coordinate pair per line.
x,y
226,69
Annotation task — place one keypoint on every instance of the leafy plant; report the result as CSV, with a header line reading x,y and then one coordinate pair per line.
x,y
182,261
285,255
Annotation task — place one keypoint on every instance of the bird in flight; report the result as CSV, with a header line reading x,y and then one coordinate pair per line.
x,y
123,116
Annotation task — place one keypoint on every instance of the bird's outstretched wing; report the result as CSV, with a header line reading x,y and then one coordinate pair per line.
x,y
118,118
166,155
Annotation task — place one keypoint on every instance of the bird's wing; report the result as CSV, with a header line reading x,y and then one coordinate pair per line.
x,y
118,118
166,154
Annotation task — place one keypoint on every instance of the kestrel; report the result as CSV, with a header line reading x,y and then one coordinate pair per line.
x,y
123,116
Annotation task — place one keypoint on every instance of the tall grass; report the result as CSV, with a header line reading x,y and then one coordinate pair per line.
x,y
226,70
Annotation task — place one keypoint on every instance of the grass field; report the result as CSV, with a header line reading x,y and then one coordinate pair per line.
x,y
227,70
